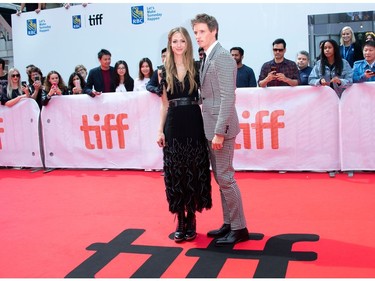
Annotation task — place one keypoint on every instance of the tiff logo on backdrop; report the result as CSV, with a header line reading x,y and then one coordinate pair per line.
x,y
119,127
95,19
259,126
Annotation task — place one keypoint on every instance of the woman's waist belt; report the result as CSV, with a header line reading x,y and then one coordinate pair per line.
x,y
182,101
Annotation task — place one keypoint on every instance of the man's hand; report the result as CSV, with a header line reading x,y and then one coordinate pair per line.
x,y
217,142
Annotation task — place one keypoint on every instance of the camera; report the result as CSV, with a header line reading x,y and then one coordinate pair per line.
x,y
36,78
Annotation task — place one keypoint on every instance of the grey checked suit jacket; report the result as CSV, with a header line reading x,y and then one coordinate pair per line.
x,y
218,85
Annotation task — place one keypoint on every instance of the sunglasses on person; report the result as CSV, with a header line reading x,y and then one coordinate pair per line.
x,y
15,75
278,50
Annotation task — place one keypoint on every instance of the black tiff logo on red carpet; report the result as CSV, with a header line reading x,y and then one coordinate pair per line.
x,y
273,259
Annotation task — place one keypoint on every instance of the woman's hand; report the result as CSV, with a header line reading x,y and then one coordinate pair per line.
x,y
77,90
58,91
369,74
26,90
323,82
37,85
336,80
161,140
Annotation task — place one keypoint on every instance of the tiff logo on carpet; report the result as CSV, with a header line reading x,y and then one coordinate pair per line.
x,y
273,259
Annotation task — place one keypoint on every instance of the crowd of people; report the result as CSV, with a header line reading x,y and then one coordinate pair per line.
x,y
338,65
104,78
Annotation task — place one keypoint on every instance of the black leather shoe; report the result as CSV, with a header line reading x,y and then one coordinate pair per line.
x,y
221,232
233,237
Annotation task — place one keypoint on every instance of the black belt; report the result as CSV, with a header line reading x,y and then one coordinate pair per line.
x,y
182,101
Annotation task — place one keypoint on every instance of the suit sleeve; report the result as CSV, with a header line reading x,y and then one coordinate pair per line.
x,y
226,69
153,85
90,83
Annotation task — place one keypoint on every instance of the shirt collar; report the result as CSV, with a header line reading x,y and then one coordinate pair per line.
x,y
209,50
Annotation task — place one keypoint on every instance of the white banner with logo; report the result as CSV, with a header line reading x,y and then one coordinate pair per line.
x,y
284,128
113,130
19,135
357,127
287,128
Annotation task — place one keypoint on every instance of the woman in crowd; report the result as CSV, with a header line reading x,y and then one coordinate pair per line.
x,y
123,81
186,164
77,85
81,69
13,93
369,36
53,86
349,49
144,74
35,88
331,70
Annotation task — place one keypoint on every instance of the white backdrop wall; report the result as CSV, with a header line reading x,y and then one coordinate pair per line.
x,y
253,26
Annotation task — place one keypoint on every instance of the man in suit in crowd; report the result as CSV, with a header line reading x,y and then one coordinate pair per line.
x,y
218,84
101,77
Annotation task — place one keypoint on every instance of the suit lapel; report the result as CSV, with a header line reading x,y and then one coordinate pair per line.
x,y
208,62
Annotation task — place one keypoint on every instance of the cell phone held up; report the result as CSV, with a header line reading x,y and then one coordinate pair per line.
x,y
24,83
274,69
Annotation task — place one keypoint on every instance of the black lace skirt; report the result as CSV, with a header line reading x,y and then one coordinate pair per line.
x,y
187,175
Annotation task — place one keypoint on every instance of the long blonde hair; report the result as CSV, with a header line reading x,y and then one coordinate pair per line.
x,y
9,87
170,65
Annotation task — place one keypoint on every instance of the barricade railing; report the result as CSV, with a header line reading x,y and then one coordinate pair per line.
x,y
285,128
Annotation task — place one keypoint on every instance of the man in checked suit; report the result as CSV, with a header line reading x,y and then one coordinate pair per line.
x,y
218,84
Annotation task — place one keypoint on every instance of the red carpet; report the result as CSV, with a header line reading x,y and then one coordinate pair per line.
x,y
104,224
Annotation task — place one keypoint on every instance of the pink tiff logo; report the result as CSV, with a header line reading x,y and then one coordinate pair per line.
x,y
107,127
273,124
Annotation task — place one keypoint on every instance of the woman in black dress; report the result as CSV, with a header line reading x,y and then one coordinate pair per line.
x,y
186,164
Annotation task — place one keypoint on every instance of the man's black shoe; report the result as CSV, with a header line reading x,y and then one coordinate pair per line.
x,y
233,237
221,232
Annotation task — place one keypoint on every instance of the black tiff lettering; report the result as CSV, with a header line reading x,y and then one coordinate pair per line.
x,y
273,260
161,257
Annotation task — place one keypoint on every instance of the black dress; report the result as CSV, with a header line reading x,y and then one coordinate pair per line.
x,y
186,162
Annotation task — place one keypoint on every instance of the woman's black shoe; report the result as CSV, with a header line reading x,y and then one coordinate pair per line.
x,y
179,235
191,227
